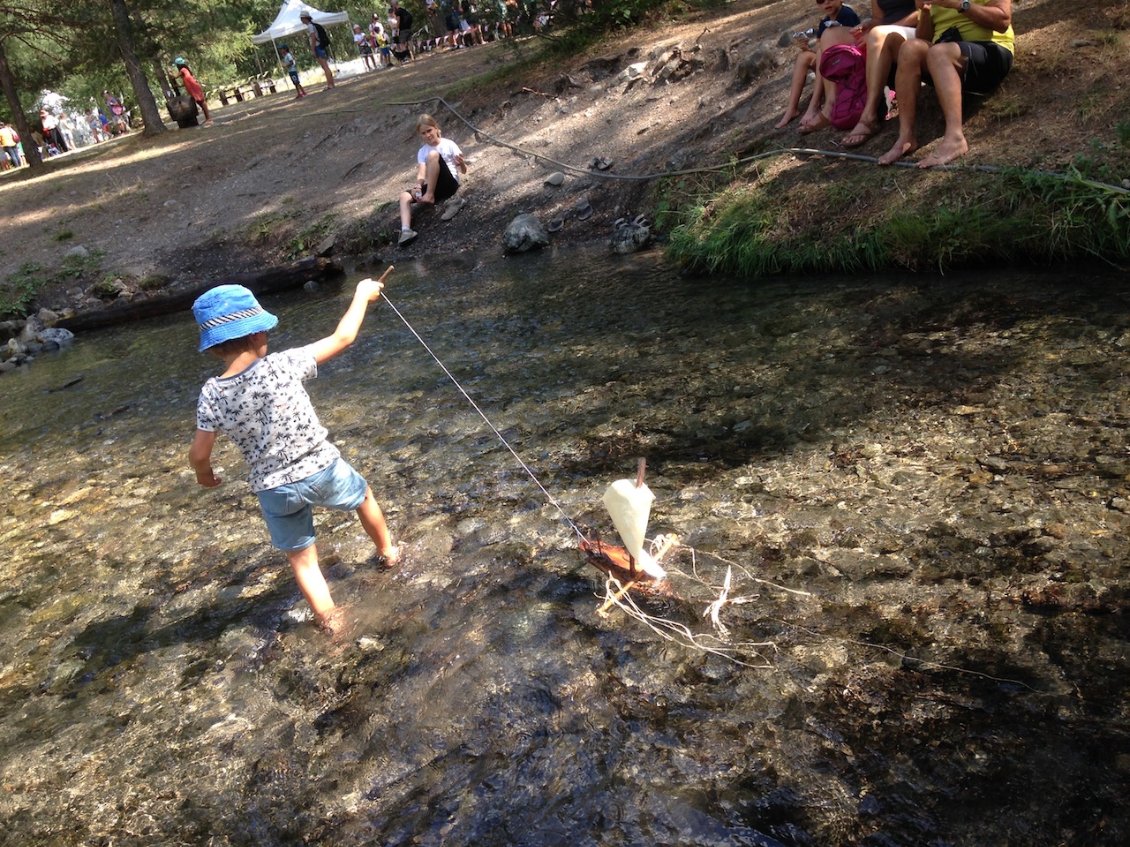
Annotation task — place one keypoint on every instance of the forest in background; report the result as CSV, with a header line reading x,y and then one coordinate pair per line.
x,y
79,49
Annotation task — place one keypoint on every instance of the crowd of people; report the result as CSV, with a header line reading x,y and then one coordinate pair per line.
x,y
448,25
958,47
59,129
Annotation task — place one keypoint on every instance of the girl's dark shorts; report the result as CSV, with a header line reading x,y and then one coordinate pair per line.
x,y
446,183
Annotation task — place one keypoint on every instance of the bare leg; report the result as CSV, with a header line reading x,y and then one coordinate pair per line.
x,y
818,115
373,520
326,70
304,563
406,201
431,177
911,60
945,62
883,44
407,198
801,66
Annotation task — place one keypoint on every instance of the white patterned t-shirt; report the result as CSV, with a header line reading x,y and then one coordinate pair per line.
x,y
267,413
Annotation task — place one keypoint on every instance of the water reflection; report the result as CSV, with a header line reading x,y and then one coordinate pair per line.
x,y
935,461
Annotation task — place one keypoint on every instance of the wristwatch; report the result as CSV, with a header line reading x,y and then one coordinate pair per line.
x,y
964,6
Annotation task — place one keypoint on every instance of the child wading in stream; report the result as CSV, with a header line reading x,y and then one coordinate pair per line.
x,y
260,403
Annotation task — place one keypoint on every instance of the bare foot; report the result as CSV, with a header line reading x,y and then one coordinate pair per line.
x,y
333,623
390,556
901,148
947,150
788,118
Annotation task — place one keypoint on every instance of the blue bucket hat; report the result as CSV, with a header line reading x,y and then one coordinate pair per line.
x,y
179,61
229,311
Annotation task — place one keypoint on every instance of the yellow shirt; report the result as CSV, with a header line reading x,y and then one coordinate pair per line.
x,y
7,137
945,19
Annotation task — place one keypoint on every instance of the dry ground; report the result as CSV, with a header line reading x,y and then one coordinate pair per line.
x,y
275,176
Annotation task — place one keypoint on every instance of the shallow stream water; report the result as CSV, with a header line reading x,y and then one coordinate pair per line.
x,y
919,485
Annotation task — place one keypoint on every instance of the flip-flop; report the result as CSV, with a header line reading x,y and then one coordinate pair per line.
x,y
583,211
556,225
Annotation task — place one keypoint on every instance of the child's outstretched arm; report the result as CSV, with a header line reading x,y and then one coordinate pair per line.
x,y
367,291
200,457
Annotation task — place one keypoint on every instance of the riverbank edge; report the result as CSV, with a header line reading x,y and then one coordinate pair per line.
x,y
759,211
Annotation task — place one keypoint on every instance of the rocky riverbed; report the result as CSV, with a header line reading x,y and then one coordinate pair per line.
x,y
920,487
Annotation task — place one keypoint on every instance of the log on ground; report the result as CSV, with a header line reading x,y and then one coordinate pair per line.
x,y
261,282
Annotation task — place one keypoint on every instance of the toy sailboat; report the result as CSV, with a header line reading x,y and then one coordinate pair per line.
x,y
629,505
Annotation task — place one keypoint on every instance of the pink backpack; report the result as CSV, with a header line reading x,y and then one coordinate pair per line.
x,y
845,65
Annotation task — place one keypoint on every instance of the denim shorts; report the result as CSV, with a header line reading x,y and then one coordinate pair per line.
x,y
286,509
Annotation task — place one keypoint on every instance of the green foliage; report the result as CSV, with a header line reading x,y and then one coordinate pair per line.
x,y
267,226
1122,131
153,282
1018,217
309,237
19,290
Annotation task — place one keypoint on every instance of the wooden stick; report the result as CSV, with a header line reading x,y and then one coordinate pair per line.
x,y
391,268
611,601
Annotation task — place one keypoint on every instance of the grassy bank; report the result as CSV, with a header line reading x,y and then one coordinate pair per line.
x,y
805,213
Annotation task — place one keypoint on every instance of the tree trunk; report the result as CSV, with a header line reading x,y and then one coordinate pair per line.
x,y
261,282
123,29
19,120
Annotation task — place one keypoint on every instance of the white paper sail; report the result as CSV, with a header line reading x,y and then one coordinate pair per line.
x,y
630,506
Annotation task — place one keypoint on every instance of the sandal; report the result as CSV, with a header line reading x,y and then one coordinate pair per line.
x,y
860,135
820,123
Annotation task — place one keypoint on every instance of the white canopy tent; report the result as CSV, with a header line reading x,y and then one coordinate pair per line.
x,y
287,22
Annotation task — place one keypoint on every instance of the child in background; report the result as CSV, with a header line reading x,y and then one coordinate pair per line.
x,y
385,47
364,47
291,66
438,161
836,14
260,402
192,88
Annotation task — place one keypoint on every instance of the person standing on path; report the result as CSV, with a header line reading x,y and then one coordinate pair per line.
x,y
402,37
292,70
51,135
9,152
364,47
319,46
193,88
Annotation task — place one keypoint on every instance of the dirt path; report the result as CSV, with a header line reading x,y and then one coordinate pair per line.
x,y
275,177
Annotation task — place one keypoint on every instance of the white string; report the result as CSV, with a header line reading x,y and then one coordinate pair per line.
x,y
482,415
